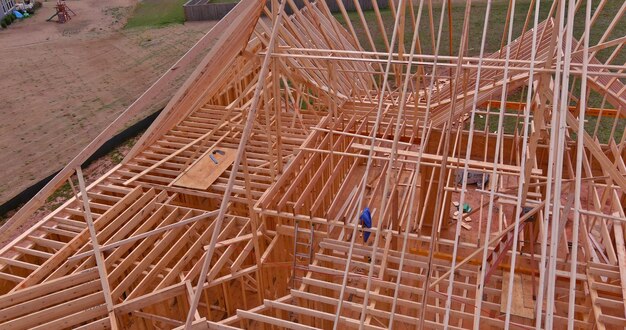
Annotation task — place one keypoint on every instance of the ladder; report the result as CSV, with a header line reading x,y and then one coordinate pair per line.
x,y
302,252
498,253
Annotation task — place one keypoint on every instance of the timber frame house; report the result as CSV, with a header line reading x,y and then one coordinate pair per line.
x,y
240,206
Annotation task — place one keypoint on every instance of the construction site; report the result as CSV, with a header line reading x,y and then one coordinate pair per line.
x,y
323,170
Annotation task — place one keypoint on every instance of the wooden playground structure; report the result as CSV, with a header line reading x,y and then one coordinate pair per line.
x,y
62,13
240,207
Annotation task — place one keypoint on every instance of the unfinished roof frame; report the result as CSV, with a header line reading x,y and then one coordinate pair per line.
x,y
313,124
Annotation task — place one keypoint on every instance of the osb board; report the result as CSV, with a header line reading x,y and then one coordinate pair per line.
x,y
522,304
201,174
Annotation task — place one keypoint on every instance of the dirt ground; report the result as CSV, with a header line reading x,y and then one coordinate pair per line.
x,y
61,84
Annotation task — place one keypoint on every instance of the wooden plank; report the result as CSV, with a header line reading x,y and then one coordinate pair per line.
x,y
99,256
199,324
219,326
453,161
48,287
80,305
518,306
45,301
614,321
96,325
158,318
71,320
273,321
32,252
594,147
621,258
152,298
55,245
11,277
18,263
203,173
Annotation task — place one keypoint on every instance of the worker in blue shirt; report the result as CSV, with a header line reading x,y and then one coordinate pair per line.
x,y
366,222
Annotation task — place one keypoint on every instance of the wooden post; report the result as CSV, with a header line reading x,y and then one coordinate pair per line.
x,y
106,290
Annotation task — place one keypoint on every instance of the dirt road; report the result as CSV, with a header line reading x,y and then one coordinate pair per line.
x,y
61,84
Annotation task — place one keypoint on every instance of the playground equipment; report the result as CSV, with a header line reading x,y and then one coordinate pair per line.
x,y
62,12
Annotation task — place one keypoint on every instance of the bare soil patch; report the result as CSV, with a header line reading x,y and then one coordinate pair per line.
x,y
61,84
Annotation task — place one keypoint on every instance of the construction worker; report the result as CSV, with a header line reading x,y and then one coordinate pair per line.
x,y
366,222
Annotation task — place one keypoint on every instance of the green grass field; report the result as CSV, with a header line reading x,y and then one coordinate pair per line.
x,y
155,13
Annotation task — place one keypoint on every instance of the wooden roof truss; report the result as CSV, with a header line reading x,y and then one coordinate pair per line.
x,y
240,206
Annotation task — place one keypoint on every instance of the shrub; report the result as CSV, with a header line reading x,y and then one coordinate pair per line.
x,y
7,20
3,24
37,5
